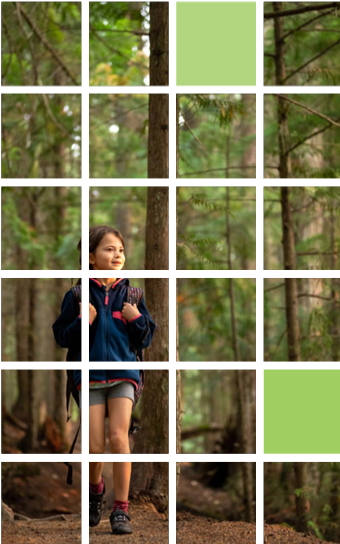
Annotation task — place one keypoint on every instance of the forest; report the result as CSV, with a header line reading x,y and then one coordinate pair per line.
x,y
41,43
148,505
304,222
37,504
216,136
216,503
129,43
301,319
33,412
302,42
216,319
41,227
129,136
41,136
216,228
301,136
141,214
217,411
303,497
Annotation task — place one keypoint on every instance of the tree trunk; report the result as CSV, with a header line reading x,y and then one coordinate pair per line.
x,y
21,407
60,415
248,491
282,106
154,435
292,317
177,135
32,313
177,330
288,239
157,299
233,320
30,441
151,479
157,229
158,140
178,412
302,503
159,43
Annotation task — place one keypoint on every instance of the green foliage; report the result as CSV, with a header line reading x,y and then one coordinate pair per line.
x,y
119,43
201,232
205,319
303,45
317,157
25,58
209,126
41,136
47,242
118,136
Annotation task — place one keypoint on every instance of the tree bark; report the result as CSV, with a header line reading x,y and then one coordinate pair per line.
x,y
159,43
32,313
30,441
248,490
288,239
158,139
157,229
177,135
157,299
151,479
178,411
302,503
60,415
154,435
233,320
282,107
21,407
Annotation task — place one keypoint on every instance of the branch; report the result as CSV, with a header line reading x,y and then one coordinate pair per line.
x,y
135,32
305,24
309,110
116,51
311,60
303,253
274,287
318,296
192,432
52,116
46,43
315,133
216,170
285,13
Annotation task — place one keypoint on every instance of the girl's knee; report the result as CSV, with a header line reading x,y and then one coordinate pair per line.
x,y
96,448
119,442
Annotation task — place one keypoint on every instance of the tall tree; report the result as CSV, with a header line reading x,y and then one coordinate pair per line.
x,y
157,229
159,43
151,479
157,298
302,503
158,136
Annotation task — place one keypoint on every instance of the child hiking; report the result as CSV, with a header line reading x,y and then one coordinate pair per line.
x,y
120,329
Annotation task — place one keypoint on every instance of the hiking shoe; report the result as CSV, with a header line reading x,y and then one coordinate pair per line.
x,y
120,523
96,507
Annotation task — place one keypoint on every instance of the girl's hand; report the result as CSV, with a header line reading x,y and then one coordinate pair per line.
x,y
79,309
92,313
129,312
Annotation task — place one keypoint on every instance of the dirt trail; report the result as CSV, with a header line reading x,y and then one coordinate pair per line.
x,y
42,532
149,527
201,530
278,534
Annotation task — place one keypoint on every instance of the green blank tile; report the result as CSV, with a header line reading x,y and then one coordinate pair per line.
x,y
301,411
216,43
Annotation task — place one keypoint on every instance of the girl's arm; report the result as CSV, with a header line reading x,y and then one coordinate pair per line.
x,y
141,328
67,328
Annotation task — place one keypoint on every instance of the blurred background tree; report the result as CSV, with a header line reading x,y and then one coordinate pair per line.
x,y
218,411
211,218
311,43
311,127
33,415
301,322
29,308
41,227
314,213
216,136
41,136
304,496
217,319
41,43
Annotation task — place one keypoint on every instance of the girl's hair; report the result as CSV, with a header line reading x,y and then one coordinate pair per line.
x,y
96,234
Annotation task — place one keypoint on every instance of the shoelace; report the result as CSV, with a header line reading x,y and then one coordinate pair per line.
x,y
95,505
120,517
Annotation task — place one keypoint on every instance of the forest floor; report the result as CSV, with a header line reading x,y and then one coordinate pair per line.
x,y
278,534
202,530
67,531
149,527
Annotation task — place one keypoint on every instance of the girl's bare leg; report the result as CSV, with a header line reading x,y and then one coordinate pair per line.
x,y
97,428
121,480
119,421
95,471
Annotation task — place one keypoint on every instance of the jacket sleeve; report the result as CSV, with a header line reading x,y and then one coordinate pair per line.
x,y
67,328
142,328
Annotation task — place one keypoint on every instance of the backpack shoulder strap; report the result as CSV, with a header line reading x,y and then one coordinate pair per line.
x,y
76,292
134,295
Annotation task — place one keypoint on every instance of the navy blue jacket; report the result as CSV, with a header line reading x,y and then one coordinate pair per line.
x,y
111,336
108,376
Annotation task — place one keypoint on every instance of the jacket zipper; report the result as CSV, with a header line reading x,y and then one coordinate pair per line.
x,y
107,323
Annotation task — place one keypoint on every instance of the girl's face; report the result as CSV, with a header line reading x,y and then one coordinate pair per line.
x,y
109,254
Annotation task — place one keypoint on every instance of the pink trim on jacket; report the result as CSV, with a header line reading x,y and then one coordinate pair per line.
x,y
134,318
118,380
118,315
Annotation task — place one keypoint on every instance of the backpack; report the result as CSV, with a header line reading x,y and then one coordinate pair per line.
x,y
134,296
